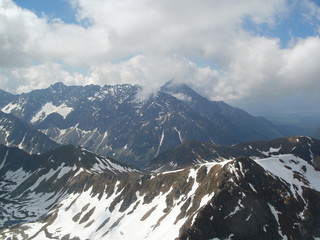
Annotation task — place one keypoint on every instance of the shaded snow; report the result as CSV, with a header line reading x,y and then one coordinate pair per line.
x,y
10,107
276,215
273,150
237,208
49,108
160,143
179,134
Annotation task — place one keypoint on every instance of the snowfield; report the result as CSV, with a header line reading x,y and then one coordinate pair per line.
x,y
63,110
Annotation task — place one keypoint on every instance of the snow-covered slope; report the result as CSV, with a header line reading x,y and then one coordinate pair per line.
x,y
32,184
74,194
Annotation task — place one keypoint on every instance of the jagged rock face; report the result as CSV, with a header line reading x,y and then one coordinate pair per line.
x,y
187,154
112,121
251,204
73,194
5,97
232,120
15,133
199,152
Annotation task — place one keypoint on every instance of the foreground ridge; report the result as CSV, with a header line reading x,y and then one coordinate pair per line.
x,y
89,197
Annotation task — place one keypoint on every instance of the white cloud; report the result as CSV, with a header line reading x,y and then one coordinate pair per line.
x,y
19,80
20,32
26,39
151,42
125,28
301,66
75,45
261,68
149,72
152,72
173,27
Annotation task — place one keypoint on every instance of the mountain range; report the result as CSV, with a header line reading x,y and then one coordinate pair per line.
x,y
91,162
113,121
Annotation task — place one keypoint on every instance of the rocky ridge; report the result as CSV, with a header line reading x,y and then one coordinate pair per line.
x,y
193,152
72,194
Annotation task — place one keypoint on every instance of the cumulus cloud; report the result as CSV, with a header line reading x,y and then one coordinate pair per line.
x,y
300,68
73,44
152,73
149,72
25,79
262,68
119,29
151,42
174,27
26,39
20,32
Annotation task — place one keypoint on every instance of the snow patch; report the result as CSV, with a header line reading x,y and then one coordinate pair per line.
x,y
160,144
286,167
236,209
179,134
63,110
10,107
273,150
182,97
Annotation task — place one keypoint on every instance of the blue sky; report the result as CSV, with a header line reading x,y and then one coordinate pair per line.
x,y
61,9
291,25
246,53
